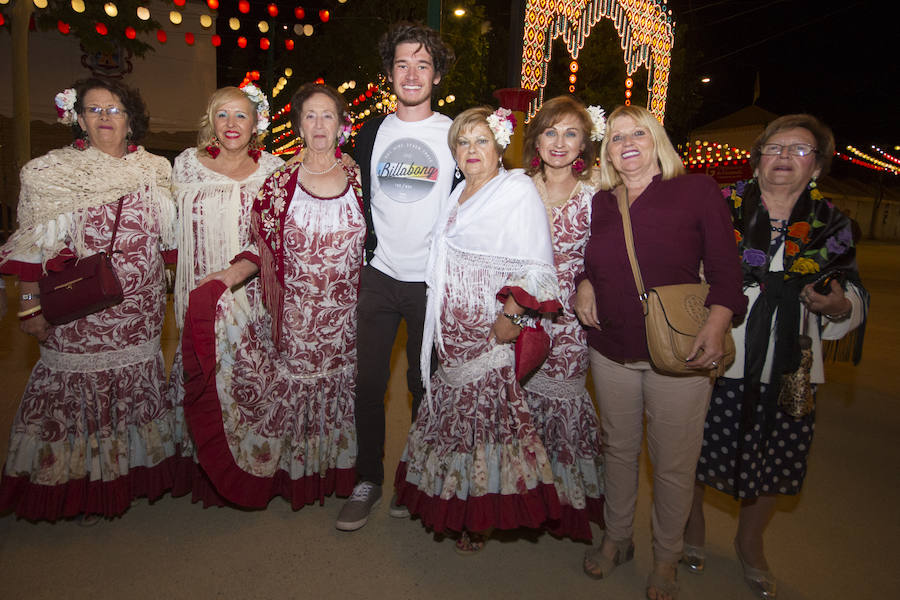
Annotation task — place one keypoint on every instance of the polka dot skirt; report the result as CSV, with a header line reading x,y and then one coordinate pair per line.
x,y
772,462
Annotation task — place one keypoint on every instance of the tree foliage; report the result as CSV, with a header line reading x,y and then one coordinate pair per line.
x,y
467,79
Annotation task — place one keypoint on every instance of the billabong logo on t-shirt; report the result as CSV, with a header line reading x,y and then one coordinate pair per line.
x,y
407,170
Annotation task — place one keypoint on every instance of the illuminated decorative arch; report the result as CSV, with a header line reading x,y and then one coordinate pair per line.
x,y
644,26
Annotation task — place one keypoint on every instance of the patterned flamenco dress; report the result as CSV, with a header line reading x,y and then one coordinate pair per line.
x,y
473,459
557,395
213,226
269,391
93,430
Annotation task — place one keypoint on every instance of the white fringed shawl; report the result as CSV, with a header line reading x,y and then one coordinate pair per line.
x,y
58,186
213,222
499,237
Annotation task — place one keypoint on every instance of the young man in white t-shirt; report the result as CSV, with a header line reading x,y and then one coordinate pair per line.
x,y
407,174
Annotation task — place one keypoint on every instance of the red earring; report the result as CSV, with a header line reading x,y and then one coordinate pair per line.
x,y
213,149
536,161
578,166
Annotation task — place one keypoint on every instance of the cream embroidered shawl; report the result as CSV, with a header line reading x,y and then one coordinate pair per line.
x,y
58,186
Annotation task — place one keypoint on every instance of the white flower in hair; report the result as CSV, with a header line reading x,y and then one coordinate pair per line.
x,y
262,106
502,123
65,106
598,117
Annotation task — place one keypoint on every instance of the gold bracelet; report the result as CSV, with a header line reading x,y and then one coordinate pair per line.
x,y
29,311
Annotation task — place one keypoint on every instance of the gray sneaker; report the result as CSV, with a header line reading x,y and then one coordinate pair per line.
x,y
355,513
398,511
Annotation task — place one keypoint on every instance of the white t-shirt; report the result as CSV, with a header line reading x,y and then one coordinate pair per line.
x,y
412,171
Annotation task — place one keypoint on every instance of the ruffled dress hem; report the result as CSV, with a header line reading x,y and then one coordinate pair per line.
x,y
203,413
37,502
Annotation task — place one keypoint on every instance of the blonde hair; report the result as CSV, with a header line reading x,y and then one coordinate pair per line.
x,y
220,97
468,119
670,163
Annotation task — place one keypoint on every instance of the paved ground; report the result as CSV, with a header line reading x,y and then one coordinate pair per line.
x,y
837,540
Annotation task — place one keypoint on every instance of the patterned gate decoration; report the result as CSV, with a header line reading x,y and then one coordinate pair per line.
x,y
644,26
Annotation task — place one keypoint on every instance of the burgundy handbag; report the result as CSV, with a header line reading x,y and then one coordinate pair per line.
x,y
83,286
531,350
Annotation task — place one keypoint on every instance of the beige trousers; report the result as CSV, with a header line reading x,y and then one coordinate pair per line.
x,y
676,412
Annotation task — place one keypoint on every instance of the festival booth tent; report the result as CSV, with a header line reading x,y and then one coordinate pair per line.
x,y
738,130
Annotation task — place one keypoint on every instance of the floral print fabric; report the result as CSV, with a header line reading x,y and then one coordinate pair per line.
x,y
557,397
473,459
287,409
94,430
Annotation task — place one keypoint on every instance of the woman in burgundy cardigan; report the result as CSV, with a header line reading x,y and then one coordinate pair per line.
x,y
679,221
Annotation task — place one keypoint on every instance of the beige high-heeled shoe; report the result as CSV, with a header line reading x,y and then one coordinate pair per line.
x,y
598,566
761,581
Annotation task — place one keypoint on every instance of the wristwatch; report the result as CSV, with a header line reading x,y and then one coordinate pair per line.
x,y
25,297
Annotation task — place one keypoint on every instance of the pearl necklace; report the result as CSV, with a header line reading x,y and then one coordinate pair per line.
x,y
303,166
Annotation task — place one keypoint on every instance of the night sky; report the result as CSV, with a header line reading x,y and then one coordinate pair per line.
x,y
836,60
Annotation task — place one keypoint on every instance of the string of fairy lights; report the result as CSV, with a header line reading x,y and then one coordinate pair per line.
x,y
374,99
863,159
702,154
645,28
175,16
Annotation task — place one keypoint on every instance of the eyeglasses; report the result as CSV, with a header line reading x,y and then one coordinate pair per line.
x,y
111,112
793,149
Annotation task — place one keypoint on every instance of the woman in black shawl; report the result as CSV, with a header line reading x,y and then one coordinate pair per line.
x,y
789,237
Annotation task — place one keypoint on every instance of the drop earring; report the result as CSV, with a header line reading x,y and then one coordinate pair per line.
x,y
81,142
213,148
578,166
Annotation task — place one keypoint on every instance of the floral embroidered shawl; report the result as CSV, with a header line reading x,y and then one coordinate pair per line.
x,y
267,231
818,240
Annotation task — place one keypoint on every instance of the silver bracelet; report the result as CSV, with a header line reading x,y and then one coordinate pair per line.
x,y
521,321
25,297
841,316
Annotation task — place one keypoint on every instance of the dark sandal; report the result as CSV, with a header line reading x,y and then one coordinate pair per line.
x,y
470,543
